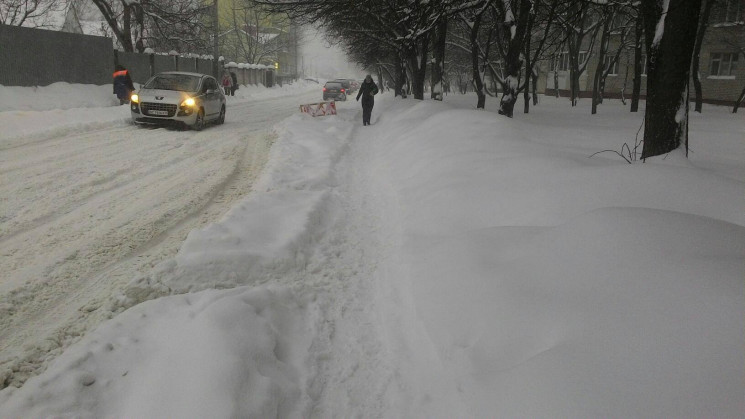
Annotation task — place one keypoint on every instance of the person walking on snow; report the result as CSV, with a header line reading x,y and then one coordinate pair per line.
x,y
235,83
368,90
227,83
123,86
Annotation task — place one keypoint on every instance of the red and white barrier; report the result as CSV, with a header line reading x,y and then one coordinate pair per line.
x,y
319,109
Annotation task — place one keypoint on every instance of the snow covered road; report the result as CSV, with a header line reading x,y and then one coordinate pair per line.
x,y
85,209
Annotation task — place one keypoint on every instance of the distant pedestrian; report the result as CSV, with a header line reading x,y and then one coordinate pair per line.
x,y
235,83
227,83
368,90
123,86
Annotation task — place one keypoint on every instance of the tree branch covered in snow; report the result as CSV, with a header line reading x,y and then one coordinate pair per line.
x,y
163,24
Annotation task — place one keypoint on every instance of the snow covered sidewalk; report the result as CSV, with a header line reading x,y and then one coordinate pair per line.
x,y
443,262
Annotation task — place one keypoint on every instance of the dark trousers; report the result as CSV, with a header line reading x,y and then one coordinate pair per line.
x,y
367,107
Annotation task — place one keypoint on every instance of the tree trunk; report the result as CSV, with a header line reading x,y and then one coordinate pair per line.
x,y
597,80
625,81
381,86
124,36
418,65
573,73
670,51
513,63
526,92
400,77
574,88
739,101
637,88
702,24
478,80
528,65
556,75
534,86
438,52
127,26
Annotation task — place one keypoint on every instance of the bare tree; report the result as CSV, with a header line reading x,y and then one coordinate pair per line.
x,y
670,33
542,36
162,24
614,21
33,13
517,15
253,34
580,21
439,39
703,23
469,22
638,40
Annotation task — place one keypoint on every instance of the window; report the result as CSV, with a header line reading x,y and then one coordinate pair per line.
x,y
613,67
582,57
727,11
561,61
179,82
723,64
209,83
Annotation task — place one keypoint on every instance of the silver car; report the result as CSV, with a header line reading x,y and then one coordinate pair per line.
x,y
191,99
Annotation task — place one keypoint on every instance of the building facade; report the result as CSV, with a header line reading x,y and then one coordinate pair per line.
x,y
721,66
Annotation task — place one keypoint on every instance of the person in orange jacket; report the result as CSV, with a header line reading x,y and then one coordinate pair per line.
x,y
123,86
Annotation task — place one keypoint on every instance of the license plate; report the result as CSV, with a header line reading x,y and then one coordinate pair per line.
x,y
156,112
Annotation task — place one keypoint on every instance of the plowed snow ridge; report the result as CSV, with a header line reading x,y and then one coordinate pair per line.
x,y
88,211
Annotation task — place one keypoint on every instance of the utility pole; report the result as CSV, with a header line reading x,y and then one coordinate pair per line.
x,y
215,40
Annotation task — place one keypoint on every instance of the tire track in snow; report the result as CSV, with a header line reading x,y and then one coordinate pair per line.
x,y
58,292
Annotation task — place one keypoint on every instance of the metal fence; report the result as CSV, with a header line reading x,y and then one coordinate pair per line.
x,y
36,57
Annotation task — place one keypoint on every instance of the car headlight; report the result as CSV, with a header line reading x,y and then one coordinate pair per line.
x,y
189,102
134,98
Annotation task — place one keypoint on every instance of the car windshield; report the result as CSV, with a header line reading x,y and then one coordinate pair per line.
x,y
333,85
180,82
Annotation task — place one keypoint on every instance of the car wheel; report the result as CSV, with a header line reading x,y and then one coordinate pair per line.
x,y
221,118
344,97
199,123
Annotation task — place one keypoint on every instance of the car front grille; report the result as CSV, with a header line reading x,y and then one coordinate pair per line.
x,y
159,108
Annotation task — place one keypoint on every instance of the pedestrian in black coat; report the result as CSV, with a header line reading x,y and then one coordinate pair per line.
x,y
235,83
368,90
123,86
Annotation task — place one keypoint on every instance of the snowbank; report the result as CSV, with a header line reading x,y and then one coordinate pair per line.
x,y
508,275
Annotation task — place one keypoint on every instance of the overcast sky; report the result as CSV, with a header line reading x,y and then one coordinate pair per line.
x,y
319,59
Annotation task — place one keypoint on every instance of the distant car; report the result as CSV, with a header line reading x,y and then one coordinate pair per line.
x,y
334,90
190,99
346,83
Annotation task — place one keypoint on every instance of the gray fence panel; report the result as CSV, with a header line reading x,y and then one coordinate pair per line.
x,y
138,65
205,66
188,64
36,57
164,63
